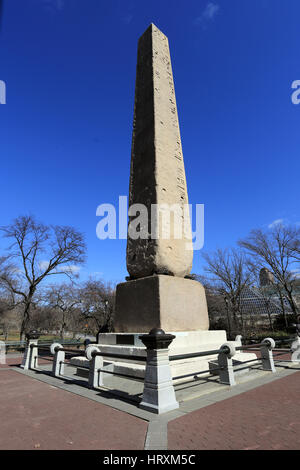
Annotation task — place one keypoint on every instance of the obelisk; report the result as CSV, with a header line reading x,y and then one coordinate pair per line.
x,y
157,293
157,174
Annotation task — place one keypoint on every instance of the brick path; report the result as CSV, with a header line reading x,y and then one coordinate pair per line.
x,y
17,360
11,361
267,418
35,415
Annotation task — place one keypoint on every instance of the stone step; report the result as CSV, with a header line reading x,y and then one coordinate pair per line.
x,y
137,370
199,366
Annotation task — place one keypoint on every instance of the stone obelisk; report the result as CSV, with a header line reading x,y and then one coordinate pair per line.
x,y
157,293
157,174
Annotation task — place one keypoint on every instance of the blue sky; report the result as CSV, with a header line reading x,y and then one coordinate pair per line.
x,y
65,130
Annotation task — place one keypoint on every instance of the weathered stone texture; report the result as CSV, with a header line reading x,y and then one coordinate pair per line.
x,y
167,302
157,170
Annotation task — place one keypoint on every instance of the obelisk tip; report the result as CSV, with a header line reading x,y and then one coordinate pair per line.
x,y
151,28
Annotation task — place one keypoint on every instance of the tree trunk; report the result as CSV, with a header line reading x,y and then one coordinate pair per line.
x,y
283,309
25,321
228,320
267,305
63,326
26,314
270,320
235,316
97,335
291,301
62,332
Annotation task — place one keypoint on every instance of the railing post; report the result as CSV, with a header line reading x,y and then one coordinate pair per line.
x,y
225,364
159,394
96,363
30,358
2,352
295,349
58,367
238,339
266,354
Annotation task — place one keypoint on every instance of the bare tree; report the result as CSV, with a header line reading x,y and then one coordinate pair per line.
x,y
9,317
76,322
44,318
276,248
217,306
97,303
38,251
65,300
9,301
267,301
230,273
8,277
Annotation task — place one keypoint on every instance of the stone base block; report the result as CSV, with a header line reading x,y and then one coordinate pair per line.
x,y
167,302
185,341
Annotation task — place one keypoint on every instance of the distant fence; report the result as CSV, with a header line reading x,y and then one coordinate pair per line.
x,y
21,345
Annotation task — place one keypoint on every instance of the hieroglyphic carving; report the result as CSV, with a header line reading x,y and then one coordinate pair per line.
x,y
157,168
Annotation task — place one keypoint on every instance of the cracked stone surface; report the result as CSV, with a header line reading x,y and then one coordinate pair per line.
x,y
157,173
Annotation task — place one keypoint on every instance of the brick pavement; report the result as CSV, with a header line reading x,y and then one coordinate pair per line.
x,y
265,418
35,415
11,361
17,360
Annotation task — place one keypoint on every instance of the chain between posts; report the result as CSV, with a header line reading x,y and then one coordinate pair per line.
x,y
158,375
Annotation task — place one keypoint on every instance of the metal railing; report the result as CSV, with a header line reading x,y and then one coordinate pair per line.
x,y
158,358
59,353
57,350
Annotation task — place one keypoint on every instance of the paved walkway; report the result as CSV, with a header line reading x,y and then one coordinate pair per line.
x,y
42,412
35,415
265,418
11,361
